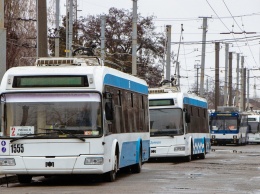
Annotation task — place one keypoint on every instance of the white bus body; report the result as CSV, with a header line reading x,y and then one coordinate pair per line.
x,y
178,125
64,116
254,129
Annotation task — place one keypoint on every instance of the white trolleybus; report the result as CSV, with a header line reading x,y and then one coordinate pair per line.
x,y
254,128
72,116
178,124
228,126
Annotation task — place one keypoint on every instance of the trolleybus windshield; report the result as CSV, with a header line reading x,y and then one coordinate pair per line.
x,y
66,114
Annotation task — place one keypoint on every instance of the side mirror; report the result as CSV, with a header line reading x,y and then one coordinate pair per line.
x,y
108,95
187,117
109,111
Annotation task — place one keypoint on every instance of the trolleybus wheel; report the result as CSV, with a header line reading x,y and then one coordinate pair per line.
x,y
136,168
189,157
24,178
111,175
203,155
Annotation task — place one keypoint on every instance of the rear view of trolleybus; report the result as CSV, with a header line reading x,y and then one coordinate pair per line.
x,y
72,116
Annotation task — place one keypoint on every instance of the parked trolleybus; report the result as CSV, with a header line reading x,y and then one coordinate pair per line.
x,y
72,116
254,128
178,124
228,126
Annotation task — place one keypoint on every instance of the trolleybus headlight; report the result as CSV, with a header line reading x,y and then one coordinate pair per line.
x,y
93,161
181,148
7,162
234,137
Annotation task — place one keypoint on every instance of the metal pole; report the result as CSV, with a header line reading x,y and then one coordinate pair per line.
x,y
204,27
244,92
70,27
134,38
67,28
242,85
247,92
57,24
168,53
230,80
237,88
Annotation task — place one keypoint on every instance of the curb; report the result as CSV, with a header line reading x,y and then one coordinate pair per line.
x,y
5,179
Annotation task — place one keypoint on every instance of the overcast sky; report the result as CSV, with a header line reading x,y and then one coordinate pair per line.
x,y
226,16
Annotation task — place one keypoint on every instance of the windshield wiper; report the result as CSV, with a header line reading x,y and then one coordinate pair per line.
x,y
31,134
68,133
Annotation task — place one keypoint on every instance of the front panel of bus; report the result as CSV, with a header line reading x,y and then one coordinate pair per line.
x,y
44,133
254,128
228,128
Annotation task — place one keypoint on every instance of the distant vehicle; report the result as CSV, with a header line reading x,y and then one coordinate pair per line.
x,y
254,129
72,116
228,126
178,124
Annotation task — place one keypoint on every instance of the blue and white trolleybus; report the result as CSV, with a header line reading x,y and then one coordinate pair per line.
x,y
72,116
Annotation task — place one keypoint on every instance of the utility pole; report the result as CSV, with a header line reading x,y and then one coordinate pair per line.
x,y
197,66
134,38
242,85
2,41
230,80
237,88
247,96
41,29
57,24
226,72
204,27
69,24
70,27
244,92
168,52
216,75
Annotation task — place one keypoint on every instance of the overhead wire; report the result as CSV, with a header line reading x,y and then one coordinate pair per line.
x,y
243,30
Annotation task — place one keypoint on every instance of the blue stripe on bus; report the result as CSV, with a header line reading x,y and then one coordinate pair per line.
x,y
195,102
113,80
224,131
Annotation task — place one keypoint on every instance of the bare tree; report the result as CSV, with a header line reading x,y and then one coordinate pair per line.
x,y
118,31
20,22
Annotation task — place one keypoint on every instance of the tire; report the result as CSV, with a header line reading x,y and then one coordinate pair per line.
x,y
111,175
24,178
136,168
189,157
203,155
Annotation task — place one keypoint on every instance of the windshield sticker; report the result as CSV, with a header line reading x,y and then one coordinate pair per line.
x,y
18,131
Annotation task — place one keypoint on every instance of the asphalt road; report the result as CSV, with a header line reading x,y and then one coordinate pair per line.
x,y
227,169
